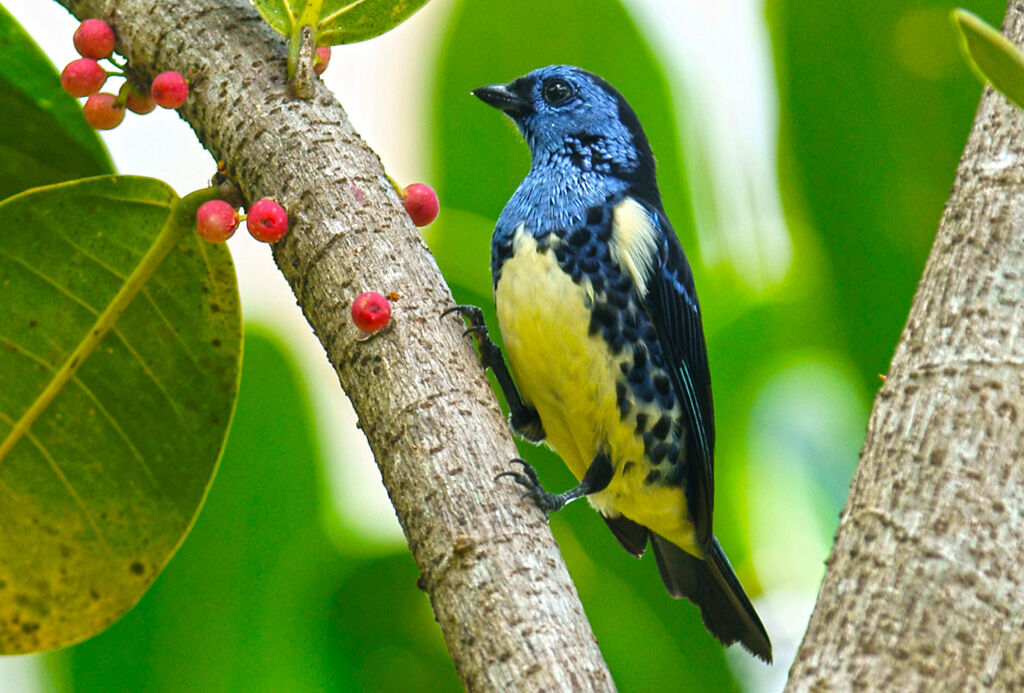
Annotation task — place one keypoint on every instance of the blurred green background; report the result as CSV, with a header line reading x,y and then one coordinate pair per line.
x,y
272,592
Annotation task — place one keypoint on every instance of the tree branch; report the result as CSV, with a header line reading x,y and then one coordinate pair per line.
x,y
499,589
924,582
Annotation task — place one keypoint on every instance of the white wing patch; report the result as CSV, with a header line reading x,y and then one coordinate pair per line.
x,y
634,242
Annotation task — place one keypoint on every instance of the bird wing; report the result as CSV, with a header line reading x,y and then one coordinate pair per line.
x,y
668,296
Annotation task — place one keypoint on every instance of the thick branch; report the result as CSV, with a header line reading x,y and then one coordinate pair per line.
x,y
924,587
499,588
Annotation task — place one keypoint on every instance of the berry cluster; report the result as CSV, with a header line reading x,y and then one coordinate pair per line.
x,y
94,41
217,220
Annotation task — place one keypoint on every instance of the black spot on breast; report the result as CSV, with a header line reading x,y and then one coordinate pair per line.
x,y
661,428
640,356
653,476
662,384
622,399
626,467
615,342
595,215
618,299
648,443
643,390
500,252
578,238
590,265
623,283
602,316
658,453
641,422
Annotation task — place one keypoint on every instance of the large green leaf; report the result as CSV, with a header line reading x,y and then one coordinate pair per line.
x,y
344,21
43,137
262,555
992,55
116,391
281,15
337,21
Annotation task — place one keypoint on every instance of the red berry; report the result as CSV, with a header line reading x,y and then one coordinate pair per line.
x,y
323,57
139,103
370,311
169,89
421,203
267,221
83,77
216,220
103,112
94,39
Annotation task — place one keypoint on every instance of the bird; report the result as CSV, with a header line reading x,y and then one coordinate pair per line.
x,y
607,361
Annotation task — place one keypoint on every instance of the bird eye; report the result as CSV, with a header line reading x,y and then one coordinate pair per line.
x,y
557,91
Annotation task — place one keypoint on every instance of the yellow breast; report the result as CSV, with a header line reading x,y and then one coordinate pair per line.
x,y
570,377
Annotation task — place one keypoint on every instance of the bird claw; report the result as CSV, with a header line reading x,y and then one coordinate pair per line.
x,y
473,314
527,478
490,354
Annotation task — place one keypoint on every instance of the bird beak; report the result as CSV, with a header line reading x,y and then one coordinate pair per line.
x,y
503,98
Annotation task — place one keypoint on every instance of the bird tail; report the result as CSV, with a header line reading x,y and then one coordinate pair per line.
x,y
712,585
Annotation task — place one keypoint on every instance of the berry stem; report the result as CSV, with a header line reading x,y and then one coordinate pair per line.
x,y
179,223
120,66
398,188
302,50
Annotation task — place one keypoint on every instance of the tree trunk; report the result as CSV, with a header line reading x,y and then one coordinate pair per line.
x,y
500,591
924,589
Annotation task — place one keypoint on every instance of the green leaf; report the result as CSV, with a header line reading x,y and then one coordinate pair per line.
x,y
43,137
337,21
261,554
344,21
992,56
113,411
280,14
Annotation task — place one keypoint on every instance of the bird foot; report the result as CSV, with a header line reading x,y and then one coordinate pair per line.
x,y
490,354
527,478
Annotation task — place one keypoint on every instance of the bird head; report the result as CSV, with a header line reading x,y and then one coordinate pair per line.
x,y
574,120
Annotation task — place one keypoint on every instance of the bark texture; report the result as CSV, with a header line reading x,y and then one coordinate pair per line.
x,y
499,588
924,588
